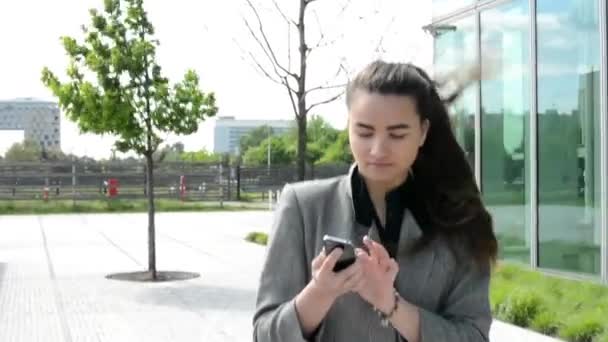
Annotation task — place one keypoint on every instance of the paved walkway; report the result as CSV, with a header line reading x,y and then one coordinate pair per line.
x,y
52,285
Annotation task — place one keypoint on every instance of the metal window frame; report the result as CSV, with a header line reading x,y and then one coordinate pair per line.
x,y
456,13
478,113
533,140
464,11
603,12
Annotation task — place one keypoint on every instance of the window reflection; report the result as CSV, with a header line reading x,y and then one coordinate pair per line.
x,y
568,126
505,99
454,47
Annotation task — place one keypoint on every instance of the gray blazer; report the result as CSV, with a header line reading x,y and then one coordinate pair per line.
x,y
452,297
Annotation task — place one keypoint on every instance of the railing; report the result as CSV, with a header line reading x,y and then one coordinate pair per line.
x,y
205,182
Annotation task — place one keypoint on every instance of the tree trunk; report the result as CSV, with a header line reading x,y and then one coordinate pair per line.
x,y
150,167
301,162
151,228
301,117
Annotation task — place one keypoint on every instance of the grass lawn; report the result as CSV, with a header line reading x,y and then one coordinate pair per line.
x,y
107,206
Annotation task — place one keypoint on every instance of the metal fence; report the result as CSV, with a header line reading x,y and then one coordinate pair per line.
x,y
87,181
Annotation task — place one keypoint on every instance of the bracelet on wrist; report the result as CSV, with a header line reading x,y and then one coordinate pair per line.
x,y
386,317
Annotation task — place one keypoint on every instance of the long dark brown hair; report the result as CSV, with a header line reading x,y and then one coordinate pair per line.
x,y
451,200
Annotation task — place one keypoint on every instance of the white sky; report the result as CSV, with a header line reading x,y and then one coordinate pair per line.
x,y
202,35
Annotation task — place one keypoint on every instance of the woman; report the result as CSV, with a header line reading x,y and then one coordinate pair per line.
x,y
410,202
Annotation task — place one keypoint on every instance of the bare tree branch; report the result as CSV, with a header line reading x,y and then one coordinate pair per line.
x,y
268,48
289,23
341,68
309,2
261,45
346,4
320,43
252,60
325,87
344,69
261,68
379,46
320,31
289,46
331,99
283,82
277,68
291,93
285,17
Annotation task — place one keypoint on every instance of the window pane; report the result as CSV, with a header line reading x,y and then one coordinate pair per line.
x,y
455,47
568,129
505,102
444,7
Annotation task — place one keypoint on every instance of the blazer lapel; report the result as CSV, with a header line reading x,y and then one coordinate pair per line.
x,y
342,221
344,224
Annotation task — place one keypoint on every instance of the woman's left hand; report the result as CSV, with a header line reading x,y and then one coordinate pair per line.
x,y
380,271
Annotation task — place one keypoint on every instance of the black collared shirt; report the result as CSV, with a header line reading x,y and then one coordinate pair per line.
x,y
397,200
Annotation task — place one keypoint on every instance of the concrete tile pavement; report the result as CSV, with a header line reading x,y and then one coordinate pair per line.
x,y
52,285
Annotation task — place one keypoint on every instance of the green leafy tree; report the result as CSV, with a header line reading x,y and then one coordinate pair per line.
x,y
321,140
116,87
28,150
254,138
169,153
339,151
321,135
281,153
202,156
54,155
178,147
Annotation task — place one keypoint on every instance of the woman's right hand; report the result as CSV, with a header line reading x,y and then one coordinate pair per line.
x,y
315,300
334,284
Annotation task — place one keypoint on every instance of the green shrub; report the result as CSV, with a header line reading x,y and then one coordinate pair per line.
x,y
584,328
262,239
520,308
507,272
251,237
546,323
499,295
603,337
571,309
257,237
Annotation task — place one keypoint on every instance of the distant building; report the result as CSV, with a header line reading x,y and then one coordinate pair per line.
x,y
40,121
228,131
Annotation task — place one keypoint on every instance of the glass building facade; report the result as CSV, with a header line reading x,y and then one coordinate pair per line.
x,y
535,126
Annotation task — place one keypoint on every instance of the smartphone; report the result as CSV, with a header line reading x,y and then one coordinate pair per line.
x,y
348,255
